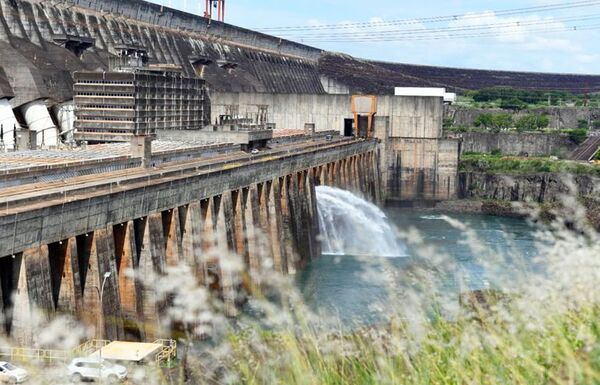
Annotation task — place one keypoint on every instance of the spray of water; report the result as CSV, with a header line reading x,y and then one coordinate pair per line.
x,y
350,225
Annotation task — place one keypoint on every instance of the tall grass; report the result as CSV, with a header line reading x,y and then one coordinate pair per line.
x,y
546,330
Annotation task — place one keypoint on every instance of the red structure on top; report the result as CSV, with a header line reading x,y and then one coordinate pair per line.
x,y
213,6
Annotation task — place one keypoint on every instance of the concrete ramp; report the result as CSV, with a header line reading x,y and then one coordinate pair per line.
x,y
587,149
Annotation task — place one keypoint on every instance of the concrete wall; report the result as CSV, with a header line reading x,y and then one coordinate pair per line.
x,y
516,143
416,162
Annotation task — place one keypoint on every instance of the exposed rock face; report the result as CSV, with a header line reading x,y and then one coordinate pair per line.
x,y
516,143
560,117
541,188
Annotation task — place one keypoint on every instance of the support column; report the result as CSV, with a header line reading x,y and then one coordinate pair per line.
x,y
226,244
241,242
127,263
172,229
265,233
152,263
276,227
252,225
66,282
291,253
32,300
192,240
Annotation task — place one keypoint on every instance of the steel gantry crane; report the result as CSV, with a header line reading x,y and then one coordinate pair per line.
x,y
211,6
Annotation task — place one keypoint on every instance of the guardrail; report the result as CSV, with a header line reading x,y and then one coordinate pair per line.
x,y
45,355
165,356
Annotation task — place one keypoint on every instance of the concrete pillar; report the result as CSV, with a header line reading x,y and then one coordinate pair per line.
x,y
172,234
264,190
276,227
241,241
141,147
209,243
191,251
312,216
66,281
151,264
32,299
252,225
38,119
225,246
291,253
127,261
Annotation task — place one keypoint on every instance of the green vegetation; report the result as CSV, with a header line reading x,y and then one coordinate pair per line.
x,y
516,165
494,122
577,135
532,123
486,349
516,99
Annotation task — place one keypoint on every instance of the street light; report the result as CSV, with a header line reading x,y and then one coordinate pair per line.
x,y
101,297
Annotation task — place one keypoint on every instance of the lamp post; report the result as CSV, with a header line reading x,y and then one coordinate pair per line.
x,y
101,328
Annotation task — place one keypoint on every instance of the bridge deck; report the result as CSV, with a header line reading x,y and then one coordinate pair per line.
x,y
43,213
23,197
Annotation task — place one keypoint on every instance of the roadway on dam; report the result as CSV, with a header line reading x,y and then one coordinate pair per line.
x,y
46,212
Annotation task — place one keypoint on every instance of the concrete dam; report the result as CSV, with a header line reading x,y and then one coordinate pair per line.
x,y
60,237
135,137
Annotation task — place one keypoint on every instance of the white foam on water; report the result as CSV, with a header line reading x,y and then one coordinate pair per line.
x,y
349,225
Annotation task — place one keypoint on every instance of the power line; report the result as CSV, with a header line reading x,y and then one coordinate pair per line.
x,y
402,32
437,19
492,34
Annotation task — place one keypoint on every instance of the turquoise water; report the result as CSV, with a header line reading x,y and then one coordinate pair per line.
x,y
359,290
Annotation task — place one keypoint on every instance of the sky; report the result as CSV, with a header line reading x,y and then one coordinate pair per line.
x,y
535,41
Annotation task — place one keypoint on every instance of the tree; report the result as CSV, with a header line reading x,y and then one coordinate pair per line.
x,y
494,122
532,122
513,104
582,124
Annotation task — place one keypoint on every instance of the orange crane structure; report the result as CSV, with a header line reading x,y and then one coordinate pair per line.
x,y
215,5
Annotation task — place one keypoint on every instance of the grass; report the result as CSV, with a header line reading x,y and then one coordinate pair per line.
x,y
494,350
475,162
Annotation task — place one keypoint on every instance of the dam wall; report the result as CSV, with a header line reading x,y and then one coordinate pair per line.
x,y
59,241
416,162
532,144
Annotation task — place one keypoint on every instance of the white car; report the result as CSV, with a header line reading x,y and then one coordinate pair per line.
x,y
255,151
11,374
92,369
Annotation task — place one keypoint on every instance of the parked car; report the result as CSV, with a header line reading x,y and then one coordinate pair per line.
x,y
255,151
12,374
92,369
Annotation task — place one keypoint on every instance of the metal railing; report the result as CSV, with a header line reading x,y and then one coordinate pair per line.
x,y
165,356
44,355
168,352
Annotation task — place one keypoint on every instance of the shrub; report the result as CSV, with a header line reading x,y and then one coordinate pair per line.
x,y
513,104
494,122
582,124
578,135
596,124
532,122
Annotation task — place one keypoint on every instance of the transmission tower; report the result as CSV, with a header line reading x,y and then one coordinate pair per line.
x,y
215,8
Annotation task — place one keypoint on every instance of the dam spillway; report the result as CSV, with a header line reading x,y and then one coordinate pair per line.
x,y
59,237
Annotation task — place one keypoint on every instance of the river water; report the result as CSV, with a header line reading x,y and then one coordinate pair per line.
x,y
433,255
